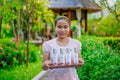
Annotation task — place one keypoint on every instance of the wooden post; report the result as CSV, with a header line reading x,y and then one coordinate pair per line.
x,y
46,29
69,17
60,11
82,18
86,25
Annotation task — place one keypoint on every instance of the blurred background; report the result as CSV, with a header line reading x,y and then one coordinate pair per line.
x,y
26,24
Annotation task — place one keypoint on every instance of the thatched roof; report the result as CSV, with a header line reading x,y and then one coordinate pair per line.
x,y
74,4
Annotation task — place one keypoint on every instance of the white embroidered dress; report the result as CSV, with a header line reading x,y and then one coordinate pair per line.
x,y
61,73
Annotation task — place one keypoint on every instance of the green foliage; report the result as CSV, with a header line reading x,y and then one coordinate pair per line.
x,y
20,72
106,26
73,25
118,6
42,15
73,28
14,54
6,31
9,10
112,43
101,62
22,11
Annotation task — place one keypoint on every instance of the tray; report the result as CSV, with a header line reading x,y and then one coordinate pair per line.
x,y
64,66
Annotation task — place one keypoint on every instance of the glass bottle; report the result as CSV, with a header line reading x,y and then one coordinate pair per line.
x,y
75,57
68,57
62,57
54,57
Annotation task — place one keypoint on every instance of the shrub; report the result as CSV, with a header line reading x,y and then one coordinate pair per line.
x,y
113,43
15,53
101,62
106,26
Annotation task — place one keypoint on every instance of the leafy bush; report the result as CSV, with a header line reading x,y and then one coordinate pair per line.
x,y
101,62
107,26
6,31
113,43
15,53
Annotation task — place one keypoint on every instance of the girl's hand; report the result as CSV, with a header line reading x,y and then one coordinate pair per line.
x,y
46,63
81,61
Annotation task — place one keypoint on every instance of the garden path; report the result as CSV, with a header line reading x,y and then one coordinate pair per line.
x,y
43,75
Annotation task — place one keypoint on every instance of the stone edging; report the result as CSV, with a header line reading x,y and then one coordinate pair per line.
x,y
39,75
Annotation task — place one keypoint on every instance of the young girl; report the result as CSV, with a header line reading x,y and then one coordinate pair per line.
x,y
61,44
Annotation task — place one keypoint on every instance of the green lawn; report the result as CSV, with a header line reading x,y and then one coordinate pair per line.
x,y
21,72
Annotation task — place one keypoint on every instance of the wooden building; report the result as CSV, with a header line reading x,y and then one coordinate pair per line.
x,y
74,9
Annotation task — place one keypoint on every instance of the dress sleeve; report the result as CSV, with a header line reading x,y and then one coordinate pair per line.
x,y
79,45
45,47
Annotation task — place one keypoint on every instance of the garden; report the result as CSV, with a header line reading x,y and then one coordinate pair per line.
x,y
24,27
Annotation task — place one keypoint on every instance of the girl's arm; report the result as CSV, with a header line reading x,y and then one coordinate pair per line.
x,y
45,61
81,61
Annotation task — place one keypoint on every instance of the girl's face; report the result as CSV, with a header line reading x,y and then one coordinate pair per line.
x,y
62,28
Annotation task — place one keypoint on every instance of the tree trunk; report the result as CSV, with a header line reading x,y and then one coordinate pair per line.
x,y
27,54
13,27
0,26
28,28
18,23
117,18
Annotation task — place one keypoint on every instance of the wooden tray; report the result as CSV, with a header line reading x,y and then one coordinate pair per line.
x,y
65,66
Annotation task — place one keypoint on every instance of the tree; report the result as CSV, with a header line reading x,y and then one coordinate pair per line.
x,y
0,25
31,13
23,15
1,3
10,13
114,9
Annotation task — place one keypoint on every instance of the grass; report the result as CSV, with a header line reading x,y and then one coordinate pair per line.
x,y
21,72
